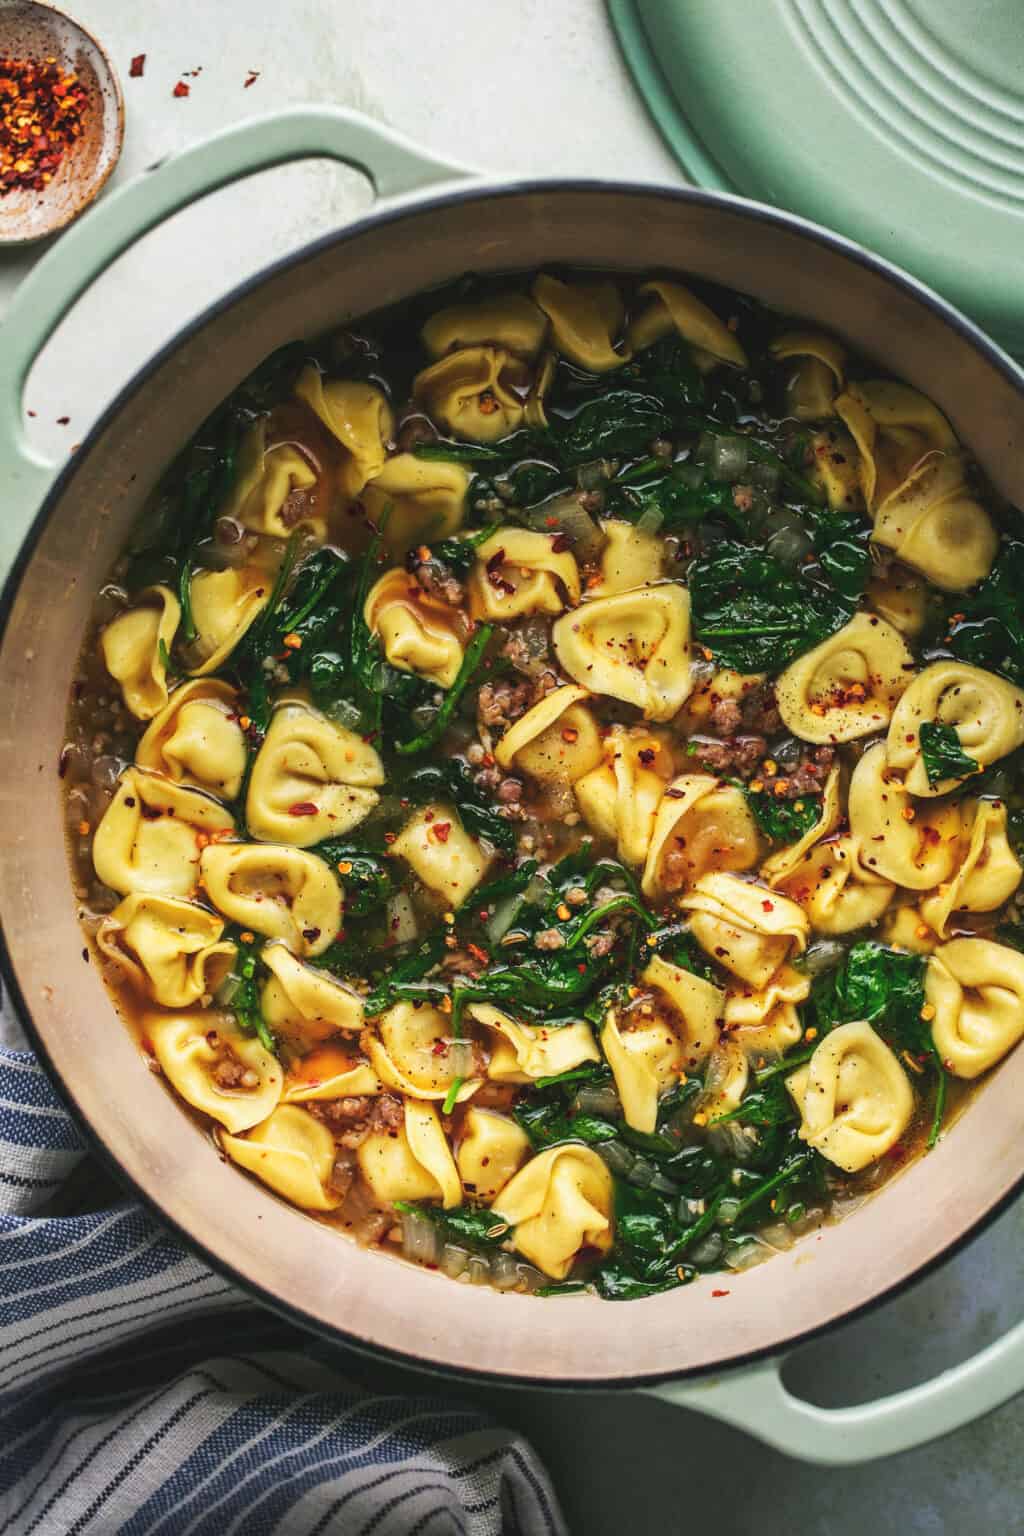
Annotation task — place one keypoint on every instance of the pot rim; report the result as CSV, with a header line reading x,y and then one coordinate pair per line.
x,y
760,213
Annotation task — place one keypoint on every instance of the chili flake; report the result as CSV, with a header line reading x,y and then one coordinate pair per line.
x,y
42,111
181,89
137,66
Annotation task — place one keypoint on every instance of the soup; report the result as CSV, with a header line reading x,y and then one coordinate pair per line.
x,y
544,780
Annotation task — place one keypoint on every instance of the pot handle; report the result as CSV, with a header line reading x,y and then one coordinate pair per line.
x,y
392,163
756,1399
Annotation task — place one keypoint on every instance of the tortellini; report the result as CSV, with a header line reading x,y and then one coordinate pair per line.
x,y
476,392
518,572
914,846
699,1004
914,483
788,860
225,605
265,482
675,308
853,1096
304,1003
976,989
620,798
508,320
135,647
748,929
523,1052
329,1073
833,468
169,948
633,646
439,849
358,415
586,318
413,1163
848,685
632,557
229,1076
492,1148
293,1154
423,499
196,739
766,1023
986,712
311,780
556,741
646,1059
701,824
152,833
836,888
988,872
560,1202
415,1053
419,633
819,375
900,597
282,892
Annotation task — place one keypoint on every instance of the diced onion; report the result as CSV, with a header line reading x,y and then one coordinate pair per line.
x,y
563,514
225,993
420,1238
598,1099
650,520
823,956
708,1250
454,1260
616,1155
402,922
504,1271
748,1256
729,459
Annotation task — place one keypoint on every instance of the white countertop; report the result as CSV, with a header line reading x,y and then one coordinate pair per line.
x,y
528,87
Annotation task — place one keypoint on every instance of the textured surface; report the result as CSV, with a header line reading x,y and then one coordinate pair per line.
x,y
899,122
532,88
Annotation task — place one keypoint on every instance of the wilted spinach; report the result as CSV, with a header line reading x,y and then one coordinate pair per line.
x,y
942,754
755,615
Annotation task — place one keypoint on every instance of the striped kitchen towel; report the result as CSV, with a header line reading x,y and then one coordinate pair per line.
x,y
141,1393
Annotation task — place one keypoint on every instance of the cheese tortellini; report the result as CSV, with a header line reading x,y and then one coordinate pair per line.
x,y
698,1006
225,605
914,846
560,1202
135,647
169,948
327,1073
817,376
475,392
646,1058
413,1163
987,873
523,1052
749,930
976,989
311,780
586,318
282,892
293,1154
508,320
620,798
263,498
415,499
985,711
152,835
441,852
306,1004
675,308
632,557
853,1096
837,888
556,741
518,572
230,1076
848,685
358,415
492,1148
632,646
419,633
196,739
766,1023
414,1053
701,824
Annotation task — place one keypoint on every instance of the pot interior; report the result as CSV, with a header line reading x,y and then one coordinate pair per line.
x,y
293,1261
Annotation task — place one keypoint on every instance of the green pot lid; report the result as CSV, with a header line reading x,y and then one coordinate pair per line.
x,y
899,123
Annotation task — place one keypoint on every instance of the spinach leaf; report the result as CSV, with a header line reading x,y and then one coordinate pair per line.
x,y
461,1224
452,781
667,371
754,614
678,502
841,545
987,628
769,1105
245,1003
943,756
547,1123
470,661
784,821
365,877
623,421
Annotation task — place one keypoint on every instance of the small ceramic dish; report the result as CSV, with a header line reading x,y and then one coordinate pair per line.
x,y
29,30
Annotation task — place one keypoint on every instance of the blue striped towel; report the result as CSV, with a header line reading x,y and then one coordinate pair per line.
x,y
116,1418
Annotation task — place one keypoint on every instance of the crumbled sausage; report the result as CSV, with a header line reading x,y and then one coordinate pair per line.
x,y
502,703
549,938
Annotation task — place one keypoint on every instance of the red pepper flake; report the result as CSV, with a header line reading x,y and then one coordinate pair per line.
x,y
440,830
479,954
62,421
389,837
303,808
720,1293
181,89
647,756
251,79
137,66
767,906
559,543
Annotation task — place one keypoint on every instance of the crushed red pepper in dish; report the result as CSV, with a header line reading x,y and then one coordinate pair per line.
x,y
42,113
